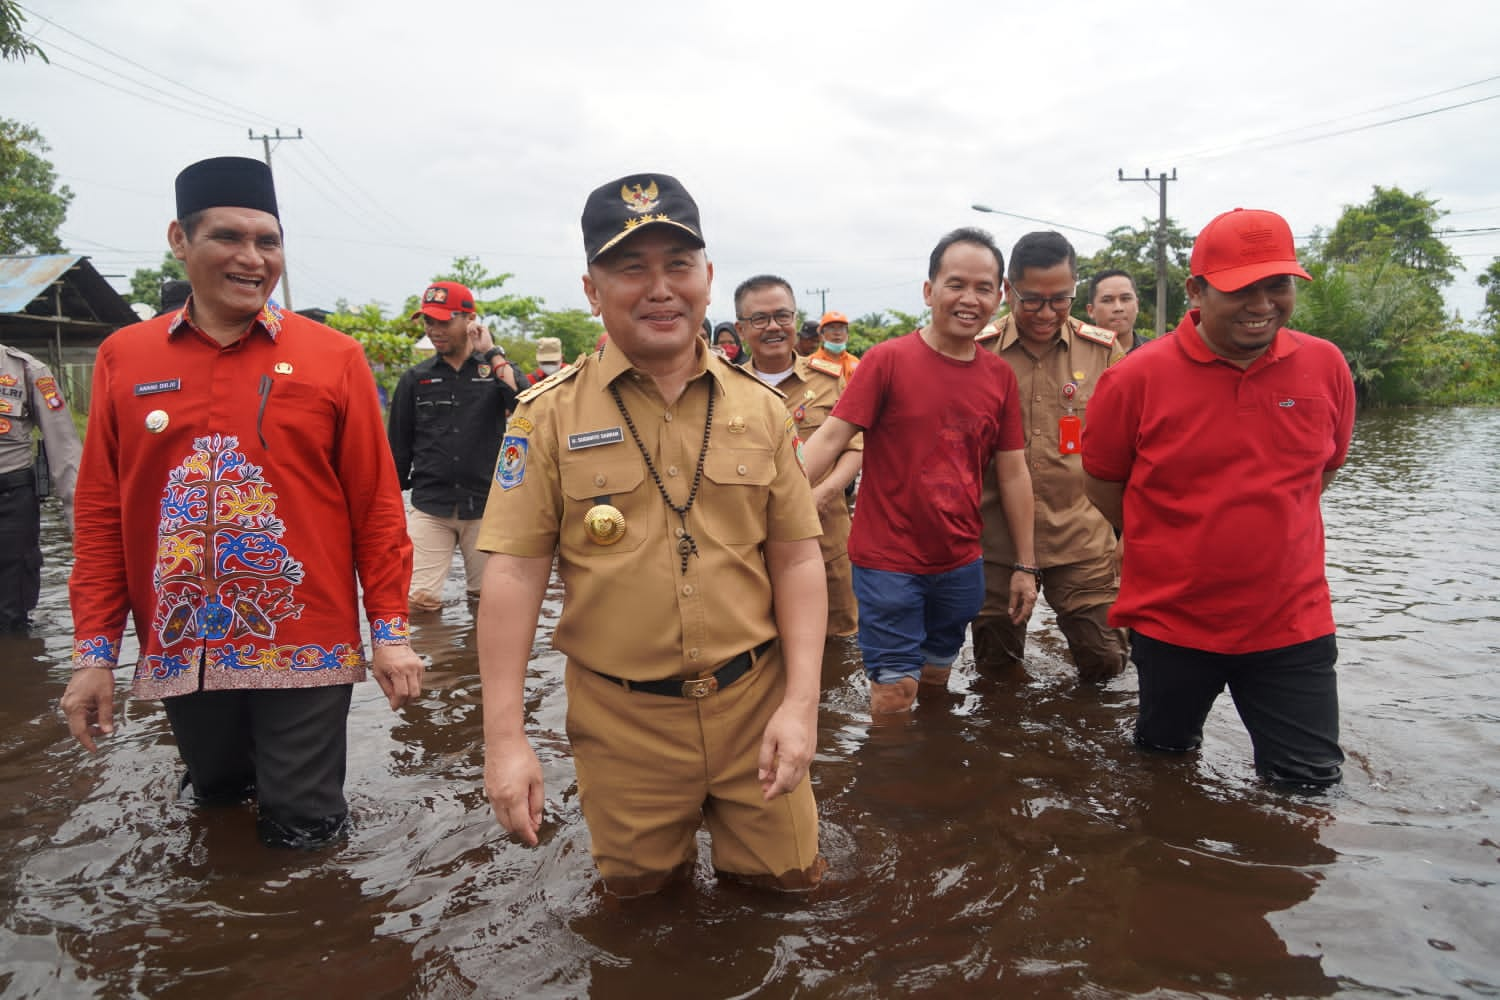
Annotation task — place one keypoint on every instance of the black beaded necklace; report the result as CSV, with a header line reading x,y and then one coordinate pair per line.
x,y
686,545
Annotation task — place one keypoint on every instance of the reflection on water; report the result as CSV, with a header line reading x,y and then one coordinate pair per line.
x,y
1008,841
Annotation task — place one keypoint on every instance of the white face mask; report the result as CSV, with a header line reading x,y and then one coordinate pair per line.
x,y
549,366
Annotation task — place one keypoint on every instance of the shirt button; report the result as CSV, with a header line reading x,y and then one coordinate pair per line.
x,y
742,470
693,653
671,470
681,531
598,480
1036,399
667,417
687,589
1037,432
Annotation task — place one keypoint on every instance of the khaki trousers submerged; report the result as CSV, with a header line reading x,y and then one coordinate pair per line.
x,y
433,540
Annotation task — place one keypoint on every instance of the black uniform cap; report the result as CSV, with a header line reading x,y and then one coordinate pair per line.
x,y
627,205
226,182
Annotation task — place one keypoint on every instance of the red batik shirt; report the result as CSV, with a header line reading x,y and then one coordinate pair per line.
x,y
232,500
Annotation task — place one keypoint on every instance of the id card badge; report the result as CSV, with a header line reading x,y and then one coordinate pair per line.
x,y
1069,434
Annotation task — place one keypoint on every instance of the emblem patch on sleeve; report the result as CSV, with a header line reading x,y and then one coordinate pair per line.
x,y
511,469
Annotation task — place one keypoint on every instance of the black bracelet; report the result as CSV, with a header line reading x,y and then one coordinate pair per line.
x,y
1035,571
490,354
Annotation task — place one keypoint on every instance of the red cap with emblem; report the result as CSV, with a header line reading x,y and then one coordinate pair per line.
x,y
444,298
1241,247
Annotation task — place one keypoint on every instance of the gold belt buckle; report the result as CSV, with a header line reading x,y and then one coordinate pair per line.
x,y
700,687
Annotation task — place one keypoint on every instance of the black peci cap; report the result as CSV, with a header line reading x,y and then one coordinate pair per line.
x,y
630,204
226,182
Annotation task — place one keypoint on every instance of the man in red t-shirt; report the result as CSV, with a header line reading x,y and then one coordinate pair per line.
x,y
918,567
1210,449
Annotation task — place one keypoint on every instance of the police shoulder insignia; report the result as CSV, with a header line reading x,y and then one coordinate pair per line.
x,y
510,471
826,367
520,425
552,381
1098,335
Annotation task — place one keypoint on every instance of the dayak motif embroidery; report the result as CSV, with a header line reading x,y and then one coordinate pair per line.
x,y
221,570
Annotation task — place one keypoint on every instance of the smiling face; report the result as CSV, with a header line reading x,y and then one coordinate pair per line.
x,y
233,260
964,293
1047,285
1241,324
651,291
450,337
770,349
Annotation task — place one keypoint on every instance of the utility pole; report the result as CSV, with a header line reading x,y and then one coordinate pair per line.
x,y
822,294
286,281
1160,182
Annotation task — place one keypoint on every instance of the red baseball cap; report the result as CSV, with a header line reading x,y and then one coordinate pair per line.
x,y
1241,247
833,317
444,298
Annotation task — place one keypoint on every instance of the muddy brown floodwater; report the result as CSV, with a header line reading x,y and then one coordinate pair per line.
x,y
1009,841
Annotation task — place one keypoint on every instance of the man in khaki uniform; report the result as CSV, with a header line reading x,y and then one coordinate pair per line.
x,y
669,485
767,312
1057,361
29,400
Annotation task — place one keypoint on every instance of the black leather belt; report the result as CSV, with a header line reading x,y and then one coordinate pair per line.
x,y
17,477
697,687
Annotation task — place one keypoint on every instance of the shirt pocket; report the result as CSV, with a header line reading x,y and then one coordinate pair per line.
x,y
618,481
1302,425
737,492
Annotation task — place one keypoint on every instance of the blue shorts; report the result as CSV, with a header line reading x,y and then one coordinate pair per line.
x,y
909,619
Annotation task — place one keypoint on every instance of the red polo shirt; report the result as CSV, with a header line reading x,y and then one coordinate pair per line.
x,y
1222,469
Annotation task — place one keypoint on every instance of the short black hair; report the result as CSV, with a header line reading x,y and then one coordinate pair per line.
x,y
758,282
1105,275
965,234
1041,250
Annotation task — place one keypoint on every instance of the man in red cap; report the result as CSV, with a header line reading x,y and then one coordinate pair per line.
x,y
833,346
446,420
1210,452
235,499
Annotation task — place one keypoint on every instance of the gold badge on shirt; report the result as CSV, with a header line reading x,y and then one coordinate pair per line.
x,y
604,524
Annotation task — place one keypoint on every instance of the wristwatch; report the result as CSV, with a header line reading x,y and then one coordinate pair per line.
x,y
489,356
1035,571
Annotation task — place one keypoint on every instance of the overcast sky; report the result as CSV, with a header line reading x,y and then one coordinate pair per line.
x,y
832,143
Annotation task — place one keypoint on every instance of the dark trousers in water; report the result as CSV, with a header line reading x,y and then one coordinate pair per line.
x,y
287,748
1287,698
20,549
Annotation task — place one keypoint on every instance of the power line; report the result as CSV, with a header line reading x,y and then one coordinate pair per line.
x,y
131,93
1045,222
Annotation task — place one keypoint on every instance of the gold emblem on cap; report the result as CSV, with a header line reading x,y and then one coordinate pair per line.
x,y
736,425
639,200
283,368
157,420
604,523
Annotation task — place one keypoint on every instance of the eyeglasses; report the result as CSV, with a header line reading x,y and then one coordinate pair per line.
x,y
781,317
1034,303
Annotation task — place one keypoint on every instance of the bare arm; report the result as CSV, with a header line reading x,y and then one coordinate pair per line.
x,y
1014,481
801,600
1109,497
823,449
510,600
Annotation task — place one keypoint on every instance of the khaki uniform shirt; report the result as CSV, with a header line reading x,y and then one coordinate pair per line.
x,y
628,607
1069,528
30,397
811,389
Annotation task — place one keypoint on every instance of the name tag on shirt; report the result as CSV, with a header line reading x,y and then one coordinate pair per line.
x,y
593,439
160,385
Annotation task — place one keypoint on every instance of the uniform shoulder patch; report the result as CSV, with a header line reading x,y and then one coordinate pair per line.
x,y
826,367
1097,334
744,372
552,381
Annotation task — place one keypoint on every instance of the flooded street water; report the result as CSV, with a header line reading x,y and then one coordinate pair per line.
x,y
1009,841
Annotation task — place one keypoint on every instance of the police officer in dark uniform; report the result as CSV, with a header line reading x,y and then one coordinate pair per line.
x,y
29,398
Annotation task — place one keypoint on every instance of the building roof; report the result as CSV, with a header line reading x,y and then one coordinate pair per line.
x,y
60,288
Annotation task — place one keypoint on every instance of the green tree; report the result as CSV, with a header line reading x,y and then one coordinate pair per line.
x,y
1133,250
576,328
1377,311
1398,226
389,342
1490,282
870,329
32,205
14,45
146,282
508,314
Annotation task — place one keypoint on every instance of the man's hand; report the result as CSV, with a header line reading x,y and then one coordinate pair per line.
x,y
1022,596
825,495
398,671
88,704
787,748
479,337
513,783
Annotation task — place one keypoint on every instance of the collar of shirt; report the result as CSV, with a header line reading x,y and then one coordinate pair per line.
x,y
1010,333
613,363
1194,346
268,320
